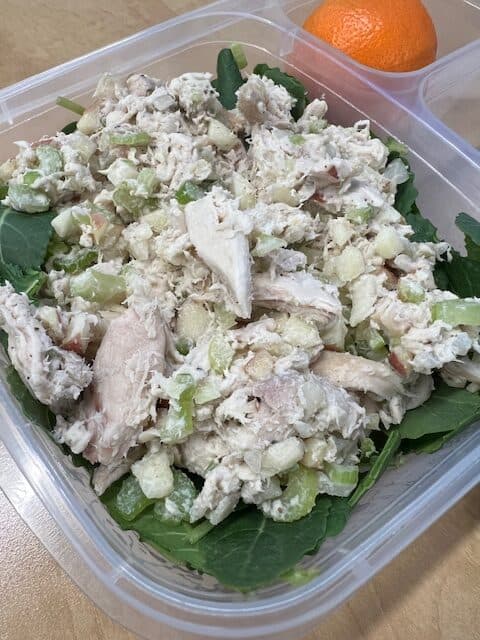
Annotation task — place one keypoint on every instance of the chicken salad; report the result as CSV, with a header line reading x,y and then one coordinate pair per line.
x,y
231,305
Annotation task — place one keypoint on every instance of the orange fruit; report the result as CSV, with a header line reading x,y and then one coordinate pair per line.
x,y
391,35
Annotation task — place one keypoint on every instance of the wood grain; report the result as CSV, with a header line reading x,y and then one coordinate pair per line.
x,y
430,592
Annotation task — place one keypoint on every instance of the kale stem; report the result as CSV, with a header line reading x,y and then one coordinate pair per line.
x,y
70,105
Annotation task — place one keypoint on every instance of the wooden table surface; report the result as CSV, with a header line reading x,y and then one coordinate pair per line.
x,y
430,592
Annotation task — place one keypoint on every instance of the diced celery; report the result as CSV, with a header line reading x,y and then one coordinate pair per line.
x,y
179,422
395,146
102,228
30,177
130,500
300,577
243,190
81,216
342,473
50,159
138,139
96,286
207,391
298,499
121,170
340,230
157,219
7,169
154,473
82,144
369,342
199,531
225,318
396,171
373,422
288,195
90,122
317,127
220,354
455,312
192,320
66,103
376,341
349,264
281,456
221,136
177,505
334,335
239,55
260,366
325,485
65,224
147,181
361,215
410,291
183,346
300,333
75,261
313,254
331,488
188,192
315,451
135,205
175,385
367,448
265,244
56,247
388,243
24,198
297,139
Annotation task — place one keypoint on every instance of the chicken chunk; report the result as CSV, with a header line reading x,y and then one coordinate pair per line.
x,y
119,403
260,433
418,391
298,293
358,374
261,101
220,493
105,475
292,169
202,451
282,406
329,409
313,118
223,245
55,376
432,347
178,159
464,370
284,221
72,330
195,93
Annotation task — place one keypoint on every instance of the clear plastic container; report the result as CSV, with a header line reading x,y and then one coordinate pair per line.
x,y
131,581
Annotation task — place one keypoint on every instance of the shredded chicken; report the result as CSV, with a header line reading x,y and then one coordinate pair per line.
x,y
54,375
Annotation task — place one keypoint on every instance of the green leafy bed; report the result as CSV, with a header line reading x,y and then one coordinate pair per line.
x,y
248,550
